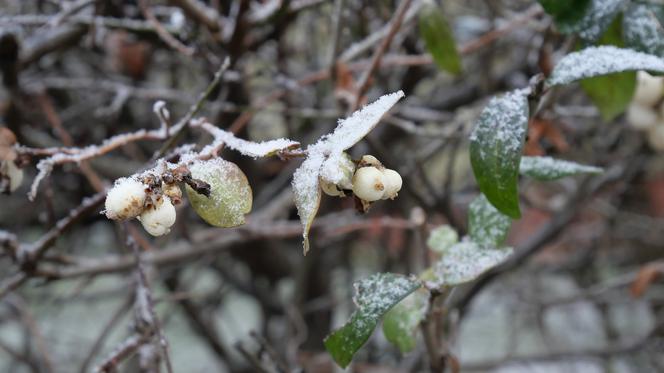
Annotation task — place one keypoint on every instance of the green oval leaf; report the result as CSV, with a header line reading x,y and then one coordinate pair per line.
x,y
596,18
374,296
401,323
230,194
439,39
547,168
496,145
566,13
603,60
465,262
441,238
487,226
643,29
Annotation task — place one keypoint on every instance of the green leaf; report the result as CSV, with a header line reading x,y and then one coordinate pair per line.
x,y
441,238
496,145
439,39
597,16
374,297
547,168
230,194
566,13
643,28
611,93
465,262
487,226
603,60
401,323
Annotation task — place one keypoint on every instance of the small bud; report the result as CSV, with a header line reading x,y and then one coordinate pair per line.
x,y
370,160
641,117
392,183
331,189
648,89
157,220
173,192
368,184
125,200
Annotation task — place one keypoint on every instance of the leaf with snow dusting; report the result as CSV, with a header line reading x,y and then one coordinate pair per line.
x,y
596,61
547,168
442,238
465,262
401,323
486,225
643,29
596,19
496,145
374,297
230,194
306,193
248,148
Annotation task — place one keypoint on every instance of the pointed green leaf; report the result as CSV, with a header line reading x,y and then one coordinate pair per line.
x,y
230,194
547,168
465,262
486,225
401,323
597,16
643,29
611,93
439,39
496,145
441,238
374,297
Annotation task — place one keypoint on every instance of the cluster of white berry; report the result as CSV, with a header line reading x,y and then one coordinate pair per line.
x,y
370,180
148,199
646,111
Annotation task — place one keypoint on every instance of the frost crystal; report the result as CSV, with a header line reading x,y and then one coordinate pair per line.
x,y
465,262
595,61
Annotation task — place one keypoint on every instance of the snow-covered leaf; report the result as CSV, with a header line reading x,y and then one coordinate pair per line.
x,y
496,145
566,13
596,61
486,225
230,194
248,148
643,28
547,168
597,17
374,296
611,93
439,39
401,323
338,169
465,262
441,238
307,193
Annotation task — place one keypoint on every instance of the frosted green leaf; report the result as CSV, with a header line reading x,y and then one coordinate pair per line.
x,y
439,39
307,193
547,168
596,61
442,238
597,17
374,296
566,13
465,262
496,145
643,29
230,194
487,226
401,323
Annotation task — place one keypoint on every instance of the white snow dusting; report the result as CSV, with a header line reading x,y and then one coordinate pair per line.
x,y
465,262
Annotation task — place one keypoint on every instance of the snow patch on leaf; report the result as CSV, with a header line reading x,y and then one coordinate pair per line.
x,y
547,168
643,31
488,227
248,148
597,17
442,238
306,193
465,262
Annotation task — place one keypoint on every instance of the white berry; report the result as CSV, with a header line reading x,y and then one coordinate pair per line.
x,y
370,160
330,189
125,200
157,220
641,117
392,183
648,89
368,184
656,137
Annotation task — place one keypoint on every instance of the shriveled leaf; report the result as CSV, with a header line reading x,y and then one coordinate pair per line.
x,y
465,262
230,194
496,145
442,238
245,147
566,13
597,16
352,129
547,168
374,297
401,323
487,226
307,193
643,29
603,60
611,93
439,39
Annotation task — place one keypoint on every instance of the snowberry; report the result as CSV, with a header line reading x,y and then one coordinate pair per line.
x,y
370,160
656,137
126,199
648,89
393,183
13,173
641,117
368,184
157,220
